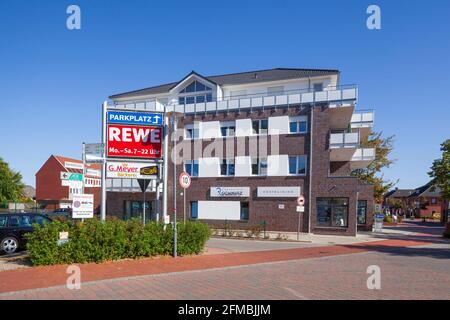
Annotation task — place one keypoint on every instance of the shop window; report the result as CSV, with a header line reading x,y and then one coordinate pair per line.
x,y
362,211
135,209
244,210
332,212
194,209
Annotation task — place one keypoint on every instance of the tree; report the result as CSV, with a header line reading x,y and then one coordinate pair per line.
x,y
372,173
440,171
11,185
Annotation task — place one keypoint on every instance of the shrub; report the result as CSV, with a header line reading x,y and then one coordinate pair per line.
x,y
96,241
388,219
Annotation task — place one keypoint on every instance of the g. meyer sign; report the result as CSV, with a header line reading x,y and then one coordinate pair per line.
x,y
278,192
230,192
133,170
129,141
137,118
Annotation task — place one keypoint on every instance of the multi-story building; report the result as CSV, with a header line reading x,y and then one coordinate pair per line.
x,y
255,141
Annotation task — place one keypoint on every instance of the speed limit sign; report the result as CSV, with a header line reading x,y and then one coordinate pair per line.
x,y
185,180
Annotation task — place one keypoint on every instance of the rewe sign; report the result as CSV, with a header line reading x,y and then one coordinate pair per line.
x,y
133,141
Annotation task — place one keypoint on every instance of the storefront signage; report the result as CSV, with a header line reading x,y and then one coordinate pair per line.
x,y
136,118
130,141
278,192
230,192
82,206
133,170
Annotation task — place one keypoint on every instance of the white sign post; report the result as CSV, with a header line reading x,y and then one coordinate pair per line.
x,y
300,209
82,206
185,182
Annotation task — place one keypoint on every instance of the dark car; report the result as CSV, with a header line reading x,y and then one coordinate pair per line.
x,y
14,226
62,212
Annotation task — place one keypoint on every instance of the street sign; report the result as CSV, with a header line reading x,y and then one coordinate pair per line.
x,y
131,141
185,180
71,176
301,200
143,183
93,152
135,118
82,206
300,209
133,170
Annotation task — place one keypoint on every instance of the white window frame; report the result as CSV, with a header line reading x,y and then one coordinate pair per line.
x,y
297,165
259,161
192,127
228,162
259,127
192,163
298,119
227,125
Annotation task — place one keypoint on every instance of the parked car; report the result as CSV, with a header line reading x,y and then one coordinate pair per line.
x,y
14,226
62,212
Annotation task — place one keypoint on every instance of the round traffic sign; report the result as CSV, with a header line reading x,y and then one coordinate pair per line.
x,y
185,180
301,200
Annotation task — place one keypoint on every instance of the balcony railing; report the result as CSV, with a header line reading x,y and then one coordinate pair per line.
x,y
363,119
364,154
336,95
344,140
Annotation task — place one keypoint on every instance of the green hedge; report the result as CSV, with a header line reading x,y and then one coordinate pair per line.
x,y
96,241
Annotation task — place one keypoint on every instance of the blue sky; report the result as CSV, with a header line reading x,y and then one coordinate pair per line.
x,y
53,80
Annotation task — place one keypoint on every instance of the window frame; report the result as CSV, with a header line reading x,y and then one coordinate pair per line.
x,y
260,121
191,211
227,125
332,206
365,213
258,163
192,163
191,127
228,163
297,120
297,161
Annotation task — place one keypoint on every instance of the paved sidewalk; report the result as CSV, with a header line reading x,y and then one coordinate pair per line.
x,y
406,273
43,277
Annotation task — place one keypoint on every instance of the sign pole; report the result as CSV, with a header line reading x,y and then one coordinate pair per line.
x,y
103,182
143,215
166,169
175,124
84,170
184,206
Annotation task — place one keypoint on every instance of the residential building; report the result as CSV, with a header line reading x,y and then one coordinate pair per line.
x,y
53,190
253,142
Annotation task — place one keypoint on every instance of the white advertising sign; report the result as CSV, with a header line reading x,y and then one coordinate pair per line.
x,y
73,165
230,192
278,192
133,170
82,206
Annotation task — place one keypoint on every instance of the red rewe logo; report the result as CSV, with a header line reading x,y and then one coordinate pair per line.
x,y
129,141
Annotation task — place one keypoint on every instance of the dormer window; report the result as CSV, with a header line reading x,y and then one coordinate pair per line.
x,y
202,93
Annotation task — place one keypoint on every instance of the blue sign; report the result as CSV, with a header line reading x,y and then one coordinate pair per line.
x,y
379,216
154,119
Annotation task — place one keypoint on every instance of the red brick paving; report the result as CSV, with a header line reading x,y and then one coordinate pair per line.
x,y
48,276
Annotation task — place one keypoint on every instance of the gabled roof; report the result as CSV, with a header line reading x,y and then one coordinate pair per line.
x,y
62,160
399,193
235,79
427,190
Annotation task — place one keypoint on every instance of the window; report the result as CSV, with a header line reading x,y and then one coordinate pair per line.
x,y
274,91
260,126
318,86
259,166
433,200
191,132
194,209
14,221
25,221
191,167
3,221
297,165
298,124
196,86
332,212
186,98
227,129
244,210
135,209
227,167
362,211
40,220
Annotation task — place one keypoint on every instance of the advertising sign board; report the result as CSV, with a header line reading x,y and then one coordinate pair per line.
x,y
135,118
82,206
131,141
133,170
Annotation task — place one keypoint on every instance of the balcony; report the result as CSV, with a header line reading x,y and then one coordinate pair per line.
x,y
362,158
343,146
362,122
337,96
